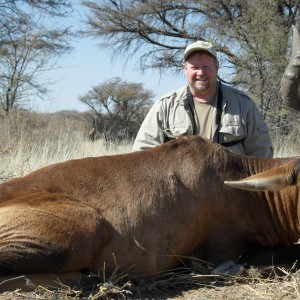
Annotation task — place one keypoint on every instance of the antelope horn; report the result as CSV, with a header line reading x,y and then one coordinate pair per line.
x,y
271,180
290,83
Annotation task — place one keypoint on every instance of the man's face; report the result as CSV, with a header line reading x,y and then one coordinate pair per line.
x,y
201,71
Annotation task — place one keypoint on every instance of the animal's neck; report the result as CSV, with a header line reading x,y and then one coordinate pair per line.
x,y
282,209
284,212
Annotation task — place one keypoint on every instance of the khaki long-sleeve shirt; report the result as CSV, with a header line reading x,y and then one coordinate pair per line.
x,y
241,122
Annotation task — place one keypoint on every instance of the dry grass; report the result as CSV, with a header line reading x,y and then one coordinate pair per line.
x,y
183,284
287,145
30,141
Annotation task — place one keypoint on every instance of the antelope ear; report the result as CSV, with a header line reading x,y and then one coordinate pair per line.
x,y
271,180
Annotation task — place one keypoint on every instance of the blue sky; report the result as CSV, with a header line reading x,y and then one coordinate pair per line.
x,y
87,66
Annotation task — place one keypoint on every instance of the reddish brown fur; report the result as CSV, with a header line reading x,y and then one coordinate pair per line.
x,y
141,211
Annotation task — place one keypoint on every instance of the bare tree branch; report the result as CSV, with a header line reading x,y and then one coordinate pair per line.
x,y
28,47
252,38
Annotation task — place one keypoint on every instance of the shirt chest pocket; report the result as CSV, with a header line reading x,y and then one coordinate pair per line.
x,y
177,124
232,128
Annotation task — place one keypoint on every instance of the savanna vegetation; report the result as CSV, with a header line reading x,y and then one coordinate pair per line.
x,y
29,141
252,39
253,42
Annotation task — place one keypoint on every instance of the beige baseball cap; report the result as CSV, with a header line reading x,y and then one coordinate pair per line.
x,y
200,46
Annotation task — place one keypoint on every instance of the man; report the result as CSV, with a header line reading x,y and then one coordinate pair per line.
x,y
208,108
